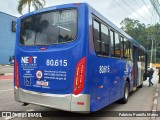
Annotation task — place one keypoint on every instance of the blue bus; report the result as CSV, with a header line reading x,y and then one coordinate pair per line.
x,y
70,57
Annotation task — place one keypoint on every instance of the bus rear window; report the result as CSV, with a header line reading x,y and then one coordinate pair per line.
x,y
49,28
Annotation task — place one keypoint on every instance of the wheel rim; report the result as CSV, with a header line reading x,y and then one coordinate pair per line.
x,y
126,92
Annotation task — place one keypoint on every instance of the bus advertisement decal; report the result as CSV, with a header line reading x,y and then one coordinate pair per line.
x,y
42,84
29,62
55,75
39,74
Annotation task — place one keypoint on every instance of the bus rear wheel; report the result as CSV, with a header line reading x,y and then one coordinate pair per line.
x,y
126,93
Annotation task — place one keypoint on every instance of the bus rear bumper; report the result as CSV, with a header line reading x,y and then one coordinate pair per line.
x,y
67,102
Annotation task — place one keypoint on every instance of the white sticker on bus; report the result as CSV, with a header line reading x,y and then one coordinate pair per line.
x,y
104,69
42,83
51,62
39,74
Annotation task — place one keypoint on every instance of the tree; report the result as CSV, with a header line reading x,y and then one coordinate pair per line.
x,y
37,4
135,29
143,34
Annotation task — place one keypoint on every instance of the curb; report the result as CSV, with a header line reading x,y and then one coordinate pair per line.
x,y
155,101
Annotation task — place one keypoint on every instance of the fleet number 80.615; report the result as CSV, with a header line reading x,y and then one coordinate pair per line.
x,y
51,62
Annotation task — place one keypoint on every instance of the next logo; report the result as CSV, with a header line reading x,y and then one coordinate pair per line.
x,y
29,60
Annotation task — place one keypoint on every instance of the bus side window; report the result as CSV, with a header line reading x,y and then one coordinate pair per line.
x,y
139,55
126,48
131,51
97,42
104,40
143,57
122,46
117,45
112,42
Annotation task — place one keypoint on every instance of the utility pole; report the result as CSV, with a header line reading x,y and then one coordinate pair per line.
x,y
151,52
155,57
156,6
155,53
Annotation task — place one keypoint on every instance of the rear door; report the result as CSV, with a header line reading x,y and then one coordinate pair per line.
x,y
135,65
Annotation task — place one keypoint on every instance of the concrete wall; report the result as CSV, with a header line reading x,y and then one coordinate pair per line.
x,y
7,37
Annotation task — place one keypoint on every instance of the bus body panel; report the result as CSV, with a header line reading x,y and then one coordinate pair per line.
x,y
58,78
47,73
141,71
107,75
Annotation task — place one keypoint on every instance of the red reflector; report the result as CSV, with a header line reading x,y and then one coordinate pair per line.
x,y
77,4
43,48
80,103
79,76
16,74
100,86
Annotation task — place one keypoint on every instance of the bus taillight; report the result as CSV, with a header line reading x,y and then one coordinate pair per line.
x,y
16,74
79,76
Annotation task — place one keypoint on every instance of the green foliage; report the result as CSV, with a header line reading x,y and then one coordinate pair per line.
x,y
143,34
37,4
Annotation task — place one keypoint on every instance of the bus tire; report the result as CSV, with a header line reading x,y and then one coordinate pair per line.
x,y
124,100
